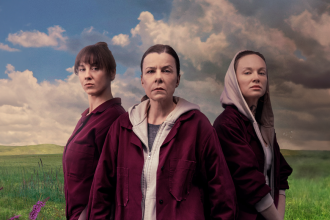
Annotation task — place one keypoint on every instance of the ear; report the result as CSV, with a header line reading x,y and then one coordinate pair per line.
x,y
178,81
142,79
112,75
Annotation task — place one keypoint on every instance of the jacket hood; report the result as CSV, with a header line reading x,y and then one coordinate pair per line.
x,y
138,112
232,95
138,115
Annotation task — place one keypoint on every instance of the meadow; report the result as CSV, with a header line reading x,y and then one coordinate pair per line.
x,y
28,178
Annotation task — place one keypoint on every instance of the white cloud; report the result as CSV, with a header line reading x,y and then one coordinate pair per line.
x,y
7,48
121,39
70,69
54,38
317,29
35,113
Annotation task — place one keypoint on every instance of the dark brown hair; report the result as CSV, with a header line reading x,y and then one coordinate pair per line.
x,y
160,48
244,53
97,55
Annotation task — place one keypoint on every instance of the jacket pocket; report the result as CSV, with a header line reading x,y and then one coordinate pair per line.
x,y
181,174
122,186
79,160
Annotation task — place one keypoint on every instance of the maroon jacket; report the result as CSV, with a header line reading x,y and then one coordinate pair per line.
x,y
82,153
245,159
193,180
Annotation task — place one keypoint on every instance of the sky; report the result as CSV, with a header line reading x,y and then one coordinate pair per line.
x,y
41,98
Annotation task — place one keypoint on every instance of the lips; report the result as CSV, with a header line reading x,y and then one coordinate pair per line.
x,y
256,87
158,89
89,84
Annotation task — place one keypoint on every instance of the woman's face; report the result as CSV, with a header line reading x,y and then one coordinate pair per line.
x,y
251,75
93,80
159,76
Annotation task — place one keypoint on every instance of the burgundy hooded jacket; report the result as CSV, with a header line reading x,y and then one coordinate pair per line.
x,y
82,153
193,180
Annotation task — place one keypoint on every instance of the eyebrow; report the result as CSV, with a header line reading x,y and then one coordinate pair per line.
x,y
249,68
152,67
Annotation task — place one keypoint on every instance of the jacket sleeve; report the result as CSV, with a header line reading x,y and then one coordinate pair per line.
x,y
221,194
285,170
102,193
249,182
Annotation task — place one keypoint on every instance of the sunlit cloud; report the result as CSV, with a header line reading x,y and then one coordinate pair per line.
x,y
7,48
35,38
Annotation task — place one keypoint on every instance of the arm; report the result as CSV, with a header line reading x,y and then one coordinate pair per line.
x,y
281,205
271,213
221,190
242,162
102,193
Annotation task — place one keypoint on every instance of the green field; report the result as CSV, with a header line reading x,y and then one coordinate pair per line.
x,y
28,178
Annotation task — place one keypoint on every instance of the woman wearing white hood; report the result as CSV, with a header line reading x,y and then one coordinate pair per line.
x,y
162,159
247,137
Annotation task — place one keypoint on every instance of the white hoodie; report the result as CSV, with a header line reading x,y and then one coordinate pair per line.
x,y
138,117
232,95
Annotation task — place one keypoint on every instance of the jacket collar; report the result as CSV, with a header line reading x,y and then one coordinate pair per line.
x,y
101,108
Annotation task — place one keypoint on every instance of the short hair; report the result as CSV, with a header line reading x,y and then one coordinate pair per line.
x,y
245,53
160,48
97,55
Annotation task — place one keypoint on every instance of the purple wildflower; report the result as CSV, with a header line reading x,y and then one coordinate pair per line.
x,y
36,209
1,188
15,217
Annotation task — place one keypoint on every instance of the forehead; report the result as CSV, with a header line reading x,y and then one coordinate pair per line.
x,y
155,59
251,61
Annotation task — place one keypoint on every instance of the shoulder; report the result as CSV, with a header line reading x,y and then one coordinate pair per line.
x,y
230,117
196,122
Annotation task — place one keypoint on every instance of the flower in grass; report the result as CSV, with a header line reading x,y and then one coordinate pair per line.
x,y
15,217
36,209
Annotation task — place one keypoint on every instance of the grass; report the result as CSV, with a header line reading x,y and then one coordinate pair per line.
x,y
309,193
27,179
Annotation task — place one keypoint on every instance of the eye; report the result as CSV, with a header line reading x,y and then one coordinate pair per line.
x,y
81,69
150,71
262,73
95,68
167,71
247,73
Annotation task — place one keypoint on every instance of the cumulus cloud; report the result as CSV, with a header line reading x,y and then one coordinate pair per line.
x,y
35,38
317,29
206,34
7,48
121,39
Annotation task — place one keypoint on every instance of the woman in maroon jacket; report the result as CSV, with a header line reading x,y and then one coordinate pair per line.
x,y
246,133
96,68
162,159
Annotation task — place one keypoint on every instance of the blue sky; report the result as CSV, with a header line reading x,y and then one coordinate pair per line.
x,y
111,17
41,99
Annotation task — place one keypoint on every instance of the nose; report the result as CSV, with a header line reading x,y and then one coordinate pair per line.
x,y
255,76
158,76
88,75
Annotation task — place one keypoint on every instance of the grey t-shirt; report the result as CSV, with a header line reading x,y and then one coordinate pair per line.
x,y
152,132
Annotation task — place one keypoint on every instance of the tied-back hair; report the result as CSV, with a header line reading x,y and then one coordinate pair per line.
x,y
160,48
97,55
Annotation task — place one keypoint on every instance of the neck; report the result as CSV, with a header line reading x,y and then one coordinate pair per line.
x,y
159,110
252,105
95,101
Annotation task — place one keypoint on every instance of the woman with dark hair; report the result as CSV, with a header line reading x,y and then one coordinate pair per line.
x,y
96,68
162,159
247,136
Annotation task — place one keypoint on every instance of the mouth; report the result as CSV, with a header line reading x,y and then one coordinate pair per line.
x,y
89,84
158,89
255,87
